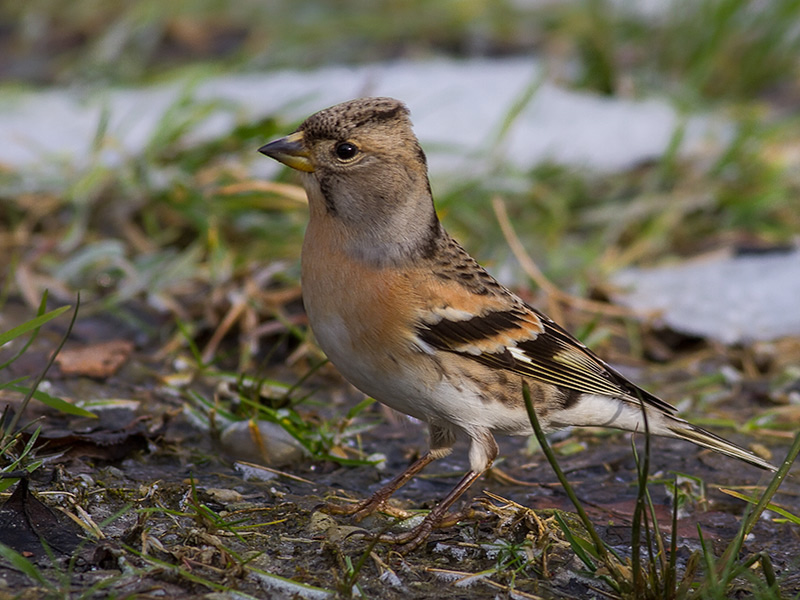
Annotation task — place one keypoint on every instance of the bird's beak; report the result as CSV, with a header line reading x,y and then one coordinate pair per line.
x,y
290,151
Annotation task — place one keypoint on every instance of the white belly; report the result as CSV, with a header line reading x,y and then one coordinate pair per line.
x,y
417,387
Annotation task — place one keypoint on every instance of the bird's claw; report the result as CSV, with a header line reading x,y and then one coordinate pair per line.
x,y
363,509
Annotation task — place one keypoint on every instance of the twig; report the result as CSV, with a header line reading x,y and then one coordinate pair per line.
x,y
291,192
234,313
533,271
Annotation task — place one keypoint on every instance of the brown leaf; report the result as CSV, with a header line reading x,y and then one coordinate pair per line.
x,y
96,360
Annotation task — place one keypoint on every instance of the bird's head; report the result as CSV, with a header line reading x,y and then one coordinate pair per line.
x,y
362,165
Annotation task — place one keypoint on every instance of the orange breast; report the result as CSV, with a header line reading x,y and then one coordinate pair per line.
x,y
360,314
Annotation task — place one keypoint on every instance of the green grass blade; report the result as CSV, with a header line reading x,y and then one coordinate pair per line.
x,y
54,402
600,547
356,410
711,581
671,574
15,421
770,506
574,542
11,383
31,325
22,564
735,546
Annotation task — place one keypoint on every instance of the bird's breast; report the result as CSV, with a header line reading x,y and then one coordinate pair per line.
x,y
362,315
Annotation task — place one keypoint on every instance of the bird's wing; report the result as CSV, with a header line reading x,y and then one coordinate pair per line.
x,y
520,339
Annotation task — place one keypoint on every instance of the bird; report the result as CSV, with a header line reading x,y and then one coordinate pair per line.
x,y
411,319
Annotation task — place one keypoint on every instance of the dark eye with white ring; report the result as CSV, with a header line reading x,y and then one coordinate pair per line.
x,y
346,150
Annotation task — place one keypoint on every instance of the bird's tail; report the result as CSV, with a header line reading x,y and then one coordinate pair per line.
x,y
686,431
596,409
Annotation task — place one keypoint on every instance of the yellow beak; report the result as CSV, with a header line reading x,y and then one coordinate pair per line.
x,y
290,151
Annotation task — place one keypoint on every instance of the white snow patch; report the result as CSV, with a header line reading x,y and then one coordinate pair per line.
x,y
750,297
458,108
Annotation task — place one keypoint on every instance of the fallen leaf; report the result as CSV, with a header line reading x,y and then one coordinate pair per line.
x,y
26,523
102,444
99,360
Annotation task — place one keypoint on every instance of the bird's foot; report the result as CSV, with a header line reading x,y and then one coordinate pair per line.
x,y
416,536
359,510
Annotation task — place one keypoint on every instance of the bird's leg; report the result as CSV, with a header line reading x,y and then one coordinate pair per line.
x,y
377,501
416,536
442,441
482,452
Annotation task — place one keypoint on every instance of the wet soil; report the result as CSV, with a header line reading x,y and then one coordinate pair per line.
x,y
159,491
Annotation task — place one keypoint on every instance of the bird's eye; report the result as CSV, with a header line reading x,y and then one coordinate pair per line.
x,y
346,150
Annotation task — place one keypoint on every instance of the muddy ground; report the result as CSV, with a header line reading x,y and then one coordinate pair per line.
x,y
166,511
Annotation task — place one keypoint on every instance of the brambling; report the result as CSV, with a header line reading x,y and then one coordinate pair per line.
x,y
411,319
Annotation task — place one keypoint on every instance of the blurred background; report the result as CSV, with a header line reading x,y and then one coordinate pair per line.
x,y
614,135
700,97
586,151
